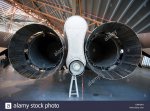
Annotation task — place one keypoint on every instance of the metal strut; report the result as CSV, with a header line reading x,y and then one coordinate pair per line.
x,y
73,92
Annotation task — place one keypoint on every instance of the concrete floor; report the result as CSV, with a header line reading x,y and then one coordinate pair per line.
x,y
13,86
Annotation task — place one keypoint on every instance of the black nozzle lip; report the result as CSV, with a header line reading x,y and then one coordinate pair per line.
x,y
128,41
16,52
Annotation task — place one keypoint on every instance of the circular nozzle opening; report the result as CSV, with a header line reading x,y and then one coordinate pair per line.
x,y
36,51
45,51
113,51
103,53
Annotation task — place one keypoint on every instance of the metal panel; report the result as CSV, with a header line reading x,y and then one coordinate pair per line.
x,y
146,62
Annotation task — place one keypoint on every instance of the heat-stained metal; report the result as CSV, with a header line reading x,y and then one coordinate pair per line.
x,y
36,51
113,51
5,39
144,39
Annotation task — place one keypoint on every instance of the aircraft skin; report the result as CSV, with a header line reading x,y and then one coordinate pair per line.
x,y
36,51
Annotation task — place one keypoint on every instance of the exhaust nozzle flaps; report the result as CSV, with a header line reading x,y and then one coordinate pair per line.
x,y
33,51
113,51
